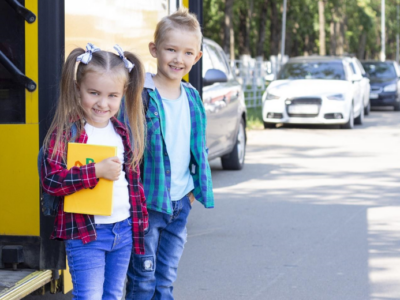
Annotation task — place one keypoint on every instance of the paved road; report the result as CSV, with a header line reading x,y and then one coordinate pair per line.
x,y
314,215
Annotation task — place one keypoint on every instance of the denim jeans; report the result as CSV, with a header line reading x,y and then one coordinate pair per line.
x,y
151,276
98,269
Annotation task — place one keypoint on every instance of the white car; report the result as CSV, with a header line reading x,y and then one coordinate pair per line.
x,y
314,90
358,68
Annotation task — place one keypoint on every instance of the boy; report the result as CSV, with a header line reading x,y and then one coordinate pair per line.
x,y
175,166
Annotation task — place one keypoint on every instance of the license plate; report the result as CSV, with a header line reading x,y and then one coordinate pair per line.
x,y
373,96
303,109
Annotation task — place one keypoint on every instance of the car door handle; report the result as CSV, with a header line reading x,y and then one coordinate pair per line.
x,y
29,16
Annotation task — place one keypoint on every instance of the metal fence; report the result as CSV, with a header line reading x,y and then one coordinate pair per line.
x,y
254,74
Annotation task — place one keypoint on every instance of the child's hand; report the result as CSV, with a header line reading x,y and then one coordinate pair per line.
x,y
109,168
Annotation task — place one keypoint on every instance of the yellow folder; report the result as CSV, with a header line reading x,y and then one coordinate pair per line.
x,y
96,201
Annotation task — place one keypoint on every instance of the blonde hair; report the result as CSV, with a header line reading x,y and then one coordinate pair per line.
x,y
69,109
181,19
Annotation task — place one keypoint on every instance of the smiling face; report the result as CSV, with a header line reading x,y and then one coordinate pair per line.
x,y
176,54
101,95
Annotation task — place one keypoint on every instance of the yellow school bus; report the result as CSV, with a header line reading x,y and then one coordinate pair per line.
x,y
35,38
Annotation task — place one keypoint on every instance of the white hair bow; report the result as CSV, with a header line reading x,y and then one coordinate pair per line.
x,y
129,65
87,56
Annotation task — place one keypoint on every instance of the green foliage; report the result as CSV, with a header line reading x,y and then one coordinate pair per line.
x,y
254,118
214,19
357,17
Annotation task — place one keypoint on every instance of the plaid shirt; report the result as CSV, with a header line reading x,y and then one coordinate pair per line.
x,y
156,162
57,180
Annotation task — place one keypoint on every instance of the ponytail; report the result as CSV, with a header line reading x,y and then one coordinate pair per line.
x,y
134,108
68,107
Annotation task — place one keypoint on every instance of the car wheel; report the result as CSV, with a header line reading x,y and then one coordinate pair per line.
x,y
269,125
396,107
350,122
360,119
235,159
367,109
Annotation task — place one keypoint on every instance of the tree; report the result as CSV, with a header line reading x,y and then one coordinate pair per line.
x,y
342,26
262,29
229,37
321,12
275,28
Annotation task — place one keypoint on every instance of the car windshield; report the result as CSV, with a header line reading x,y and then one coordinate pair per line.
x,y
380,70
313,70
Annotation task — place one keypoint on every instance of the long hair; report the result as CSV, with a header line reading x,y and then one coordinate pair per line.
x,y
69,109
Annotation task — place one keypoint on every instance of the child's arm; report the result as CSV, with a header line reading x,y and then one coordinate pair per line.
x,y
57,179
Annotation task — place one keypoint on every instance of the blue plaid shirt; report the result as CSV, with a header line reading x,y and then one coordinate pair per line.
x,y
156,172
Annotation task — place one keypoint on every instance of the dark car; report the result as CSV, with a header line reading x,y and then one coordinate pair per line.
x,y
225,107
385,85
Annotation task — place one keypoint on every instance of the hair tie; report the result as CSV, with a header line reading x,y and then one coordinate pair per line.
x,y
87,56
129,65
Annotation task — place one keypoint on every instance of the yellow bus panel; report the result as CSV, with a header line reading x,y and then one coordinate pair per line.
x,y
19,213
129,23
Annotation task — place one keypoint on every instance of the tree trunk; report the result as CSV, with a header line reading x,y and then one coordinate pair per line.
x,y
361,48
321,12
229,38
339,39
262,29
243,33
275,28
340,28
249,16
306,45
332,37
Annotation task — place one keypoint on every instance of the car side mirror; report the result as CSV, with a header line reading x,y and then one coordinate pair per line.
x,y
213,75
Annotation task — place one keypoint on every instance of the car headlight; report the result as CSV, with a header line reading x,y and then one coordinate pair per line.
x,y
390,88
270,96
336,97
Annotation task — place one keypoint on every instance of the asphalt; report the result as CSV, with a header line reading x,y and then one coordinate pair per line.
x,y
314,215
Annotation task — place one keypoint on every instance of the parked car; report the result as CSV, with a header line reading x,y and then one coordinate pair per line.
x,y
385,85
315,90
225,107
365,83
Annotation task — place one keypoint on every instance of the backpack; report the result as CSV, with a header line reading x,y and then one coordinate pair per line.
x,y
49,202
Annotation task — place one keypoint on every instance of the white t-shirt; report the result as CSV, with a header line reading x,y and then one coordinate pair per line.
x,y
121,206
177,140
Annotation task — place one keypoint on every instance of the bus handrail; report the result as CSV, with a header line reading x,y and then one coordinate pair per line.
x,y
29,16
18,76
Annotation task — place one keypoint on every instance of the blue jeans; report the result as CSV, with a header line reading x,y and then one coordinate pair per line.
x,y
151,276
98,269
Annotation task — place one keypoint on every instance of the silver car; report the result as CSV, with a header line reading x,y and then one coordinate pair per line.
x,y
225,107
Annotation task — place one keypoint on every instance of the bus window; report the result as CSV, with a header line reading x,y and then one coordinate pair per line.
x,y
12,44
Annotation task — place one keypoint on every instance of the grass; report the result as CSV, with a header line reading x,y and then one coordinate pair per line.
x,y
254,120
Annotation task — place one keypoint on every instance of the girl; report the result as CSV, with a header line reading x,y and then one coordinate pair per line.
x,y
98,247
